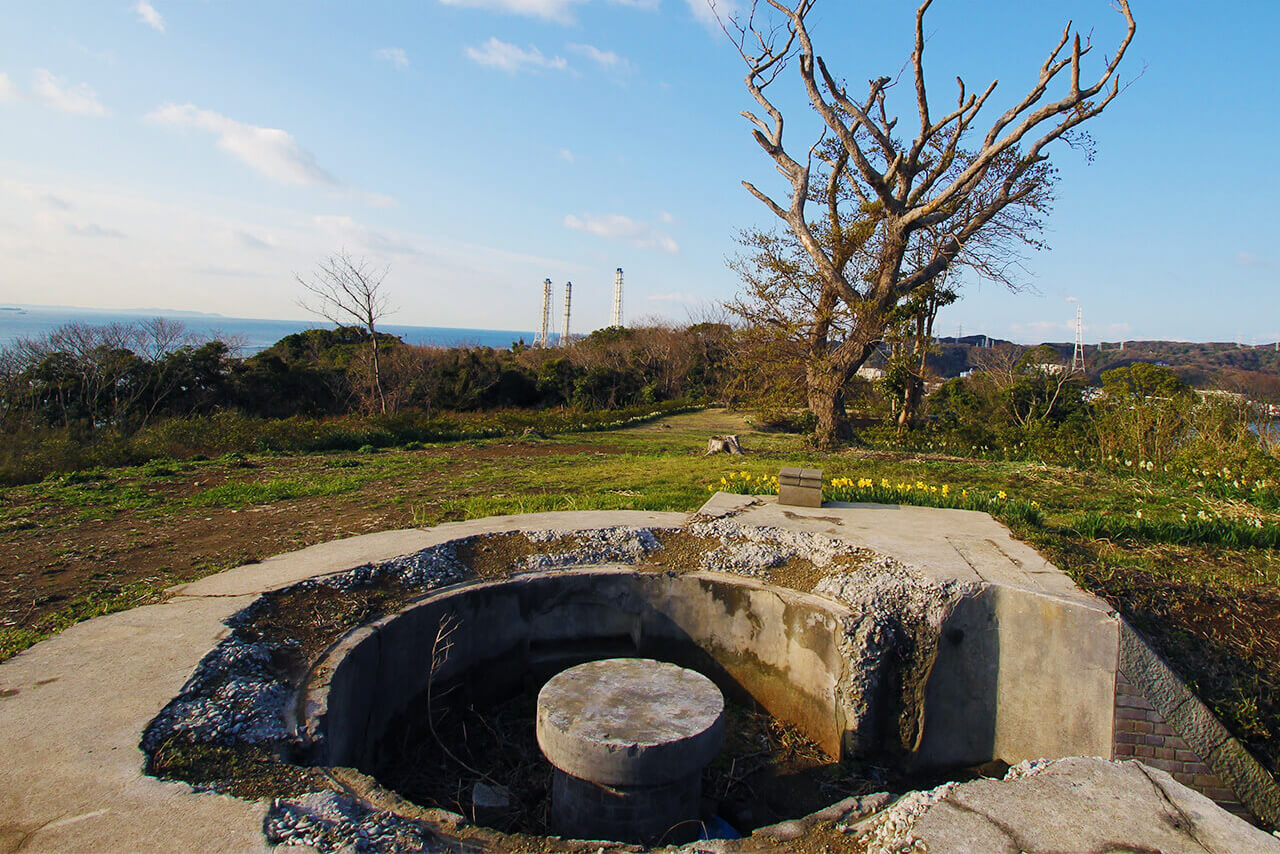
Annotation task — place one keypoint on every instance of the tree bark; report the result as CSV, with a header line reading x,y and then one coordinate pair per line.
x,y
826,383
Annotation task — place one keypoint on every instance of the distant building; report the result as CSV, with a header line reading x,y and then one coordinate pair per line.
x,y
871,374
1053,369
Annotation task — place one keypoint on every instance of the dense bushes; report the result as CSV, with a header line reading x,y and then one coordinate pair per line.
x,y
84,396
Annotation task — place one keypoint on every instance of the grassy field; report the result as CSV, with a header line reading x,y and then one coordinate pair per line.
x,y
1193,571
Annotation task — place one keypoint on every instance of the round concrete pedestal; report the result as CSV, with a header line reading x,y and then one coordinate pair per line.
x,y
629,738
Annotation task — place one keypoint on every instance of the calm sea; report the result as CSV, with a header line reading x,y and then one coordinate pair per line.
x,y
256,334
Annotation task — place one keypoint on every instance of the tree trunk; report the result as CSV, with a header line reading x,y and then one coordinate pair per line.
x,y
826,383
377,370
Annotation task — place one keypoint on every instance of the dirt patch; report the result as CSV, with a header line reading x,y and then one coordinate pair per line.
x,y
497,555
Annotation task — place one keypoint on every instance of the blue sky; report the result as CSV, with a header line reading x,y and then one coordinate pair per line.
x,y
195,154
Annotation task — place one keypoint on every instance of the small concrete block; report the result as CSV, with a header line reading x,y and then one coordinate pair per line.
x,y
800,487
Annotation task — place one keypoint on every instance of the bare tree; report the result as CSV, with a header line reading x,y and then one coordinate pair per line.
x,y
894,215
344,289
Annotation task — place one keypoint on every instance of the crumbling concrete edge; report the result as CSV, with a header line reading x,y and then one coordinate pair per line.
x,y
1198,726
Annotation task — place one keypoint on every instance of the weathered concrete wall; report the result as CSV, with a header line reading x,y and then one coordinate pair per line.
x,y
780,647
1018,676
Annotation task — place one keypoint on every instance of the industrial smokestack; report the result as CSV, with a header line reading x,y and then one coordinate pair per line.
x,y
544,338
568,302
617,299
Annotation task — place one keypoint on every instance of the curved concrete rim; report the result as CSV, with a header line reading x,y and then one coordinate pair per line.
x,y
72,708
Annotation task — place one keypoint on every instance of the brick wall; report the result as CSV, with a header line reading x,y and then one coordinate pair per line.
x,y
1142,733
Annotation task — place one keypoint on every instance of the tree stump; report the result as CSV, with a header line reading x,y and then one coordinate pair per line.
x,y
723,444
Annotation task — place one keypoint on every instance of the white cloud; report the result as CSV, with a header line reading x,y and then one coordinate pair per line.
x,y
619,227
566,154
254,241
8,91
707,10
148,15
92,230
55,92
1245,259
552,10
666,217
512,59
606,59
394,55
269,151
345,231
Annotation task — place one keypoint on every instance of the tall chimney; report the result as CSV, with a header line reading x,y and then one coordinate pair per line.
x,y
544,337
568,301
616,320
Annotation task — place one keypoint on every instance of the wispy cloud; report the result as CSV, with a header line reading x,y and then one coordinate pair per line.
x,y
566,154
394,55
271,152
606,59
253,241
148,15
93,230
618,227
512,59
707,10
56,93
1248,260
551,10
8,92
345,231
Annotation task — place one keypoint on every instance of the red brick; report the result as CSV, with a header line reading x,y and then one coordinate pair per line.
x,y
1130,715
1154,716
1143,727
1163,729
1128,738
1201,781
1187,756
1145,751
1198,768
1219,794
1162,764
1154,740
1182,777
1168,754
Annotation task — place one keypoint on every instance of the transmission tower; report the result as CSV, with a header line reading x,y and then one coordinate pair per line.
x,y
544,335
568,301
616,320
1077,357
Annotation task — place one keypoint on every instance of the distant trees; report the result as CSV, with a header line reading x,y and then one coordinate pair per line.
x,y
890,216
344,289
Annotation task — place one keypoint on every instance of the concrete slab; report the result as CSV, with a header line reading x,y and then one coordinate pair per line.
x,y
328,558
959,545
1072,806
71,712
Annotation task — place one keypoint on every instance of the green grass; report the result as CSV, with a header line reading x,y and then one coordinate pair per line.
x,y
238,495
14,639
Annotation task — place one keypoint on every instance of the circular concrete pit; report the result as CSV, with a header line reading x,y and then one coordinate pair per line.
x,y
629,738
629,776
883,662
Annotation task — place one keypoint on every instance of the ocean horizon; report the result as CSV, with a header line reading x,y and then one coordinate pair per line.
x,y
254,334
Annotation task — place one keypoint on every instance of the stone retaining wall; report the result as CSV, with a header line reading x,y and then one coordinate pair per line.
x,y
1159,721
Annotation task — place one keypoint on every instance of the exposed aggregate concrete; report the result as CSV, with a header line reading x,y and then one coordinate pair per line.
x,y
603,545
